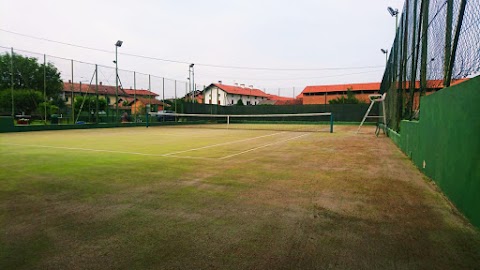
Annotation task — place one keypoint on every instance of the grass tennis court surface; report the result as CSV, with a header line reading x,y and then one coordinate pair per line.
x,y
182,198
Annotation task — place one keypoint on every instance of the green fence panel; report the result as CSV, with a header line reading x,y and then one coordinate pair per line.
x,y
341,112
445,144
6,124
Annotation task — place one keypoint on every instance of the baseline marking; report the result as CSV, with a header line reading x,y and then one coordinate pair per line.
x,y
104,151
173,154
263,146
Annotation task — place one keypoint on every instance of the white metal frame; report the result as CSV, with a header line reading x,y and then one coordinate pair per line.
x,y
375,98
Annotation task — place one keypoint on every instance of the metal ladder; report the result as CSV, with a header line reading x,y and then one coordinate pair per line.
x,y
373,99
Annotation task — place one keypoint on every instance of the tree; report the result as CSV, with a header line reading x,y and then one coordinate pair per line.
x,y
175,104
51,108
89,104
350,99
28,84
25,101
240,102
29,74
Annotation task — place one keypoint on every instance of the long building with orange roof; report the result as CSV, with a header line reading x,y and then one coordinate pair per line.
x,y
322,94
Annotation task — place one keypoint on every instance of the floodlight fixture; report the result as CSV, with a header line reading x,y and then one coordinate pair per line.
x,y
386,55
119,43
393,12
191,65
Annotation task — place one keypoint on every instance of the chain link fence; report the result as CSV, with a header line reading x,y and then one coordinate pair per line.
x,y
437,44
44,89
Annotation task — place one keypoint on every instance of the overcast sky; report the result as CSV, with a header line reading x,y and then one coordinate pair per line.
x,y
276,34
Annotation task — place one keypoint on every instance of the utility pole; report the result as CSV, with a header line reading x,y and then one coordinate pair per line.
x,y
11,81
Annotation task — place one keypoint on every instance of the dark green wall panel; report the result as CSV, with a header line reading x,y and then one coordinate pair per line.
x,y
445,144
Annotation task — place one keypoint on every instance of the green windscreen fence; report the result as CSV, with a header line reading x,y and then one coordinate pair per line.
x,y
445,144
341,112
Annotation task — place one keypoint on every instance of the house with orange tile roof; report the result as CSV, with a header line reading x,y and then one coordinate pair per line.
x,y
197,95
226,95
137,106
108,92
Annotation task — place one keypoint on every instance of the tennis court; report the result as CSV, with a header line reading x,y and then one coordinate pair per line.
x,y
241,197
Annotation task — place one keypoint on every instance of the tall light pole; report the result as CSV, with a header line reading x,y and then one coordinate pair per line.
x,y
394,13
191,71
117,45
395,49
386,55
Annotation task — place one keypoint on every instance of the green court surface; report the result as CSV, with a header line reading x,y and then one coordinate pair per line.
x,y
203,198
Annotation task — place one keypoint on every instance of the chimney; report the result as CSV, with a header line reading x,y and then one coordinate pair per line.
x,y
69,81
242,85
100,83
236,84
250,86
219,82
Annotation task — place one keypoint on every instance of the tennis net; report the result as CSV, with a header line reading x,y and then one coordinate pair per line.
x,y
306,122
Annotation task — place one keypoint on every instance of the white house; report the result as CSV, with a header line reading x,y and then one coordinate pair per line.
x,y
225,95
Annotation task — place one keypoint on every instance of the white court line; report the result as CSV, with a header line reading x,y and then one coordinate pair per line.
x,y
169,154
220,144
263,146
104,151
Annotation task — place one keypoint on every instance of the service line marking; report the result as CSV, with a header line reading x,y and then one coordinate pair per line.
x,y
225,143
263,146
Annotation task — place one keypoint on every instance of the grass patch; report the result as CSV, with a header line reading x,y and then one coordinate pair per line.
x,y
321,200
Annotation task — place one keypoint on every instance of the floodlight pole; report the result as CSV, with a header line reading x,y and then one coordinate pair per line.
x,y
118,44
116,83
135,95
394,13
72,97
189,88
11,82
97,106
45,85
192,81
396,22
